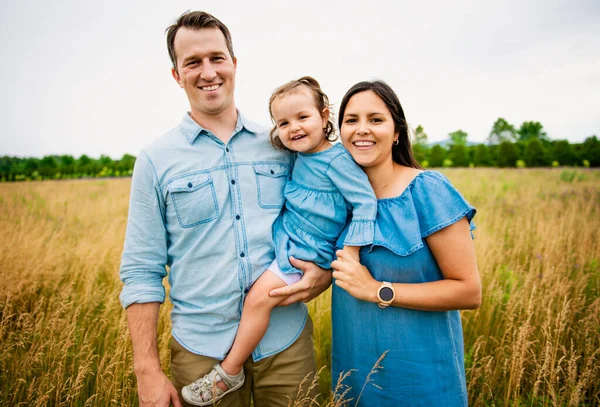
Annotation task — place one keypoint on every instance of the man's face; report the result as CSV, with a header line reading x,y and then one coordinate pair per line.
x,y
205,70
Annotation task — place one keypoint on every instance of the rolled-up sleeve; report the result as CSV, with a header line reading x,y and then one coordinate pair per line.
x,y
145,250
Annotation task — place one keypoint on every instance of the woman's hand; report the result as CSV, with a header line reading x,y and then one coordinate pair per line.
x,y
353,277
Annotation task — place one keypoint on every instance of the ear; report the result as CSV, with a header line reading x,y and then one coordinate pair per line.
x,y
176,77
235,62
325,116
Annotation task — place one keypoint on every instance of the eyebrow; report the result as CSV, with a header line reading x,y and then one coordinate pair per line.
x,y
301,112
190,58
368,114
196,57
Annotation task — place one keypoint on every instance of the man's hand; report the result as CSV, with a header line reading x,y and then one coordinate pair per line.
x,y
314,281
156,390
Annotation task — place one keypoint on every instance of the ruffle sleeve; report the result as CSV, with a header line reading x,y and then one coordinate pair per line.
x,y
429,204
438,204
360,233
354,186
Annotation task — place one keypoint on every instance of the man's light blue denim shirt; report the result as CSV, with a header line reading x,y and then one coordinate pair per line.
x,y
205,209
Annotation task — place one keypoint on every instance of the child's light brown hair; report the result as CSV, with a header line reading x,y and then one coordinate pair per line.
x,y
321,101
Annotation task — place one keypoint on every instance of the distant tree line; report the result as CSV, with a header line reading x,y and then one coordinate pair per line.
x,y
63,167
506,146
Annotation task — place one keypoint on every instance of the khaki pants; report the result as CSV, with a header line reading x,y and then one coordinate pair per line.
x,y
272,381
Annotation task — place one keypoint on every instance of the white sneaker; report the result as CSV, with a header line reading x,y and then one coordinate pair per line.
x,y
205,392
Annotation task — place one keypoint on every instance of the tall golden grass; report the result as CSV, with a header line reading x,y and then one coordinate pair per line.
x,y
534,342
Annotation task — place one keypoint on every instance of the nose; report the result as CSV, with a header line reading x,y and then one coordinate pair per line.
x,y
295,126
362,128
208,73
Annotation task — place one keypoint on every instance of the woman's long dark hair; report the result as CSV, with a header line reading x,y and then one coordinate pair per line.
x,y
401,152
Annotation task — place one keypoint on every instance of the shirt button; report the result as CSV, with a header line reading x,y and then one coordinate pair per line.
x,y
237,217
246,290
190,185
272,172
227,149
242,254
232,182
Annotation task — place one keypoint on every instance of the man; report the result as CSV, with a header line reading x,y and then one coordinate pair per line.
x,y
203,199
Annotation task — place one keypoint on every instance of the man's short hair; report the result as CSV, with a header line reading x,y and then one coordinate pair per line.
x,y
195,20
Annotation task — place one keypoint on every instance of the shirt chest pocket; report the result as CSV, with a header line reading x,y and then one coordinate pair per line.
x,y
270,180
194,200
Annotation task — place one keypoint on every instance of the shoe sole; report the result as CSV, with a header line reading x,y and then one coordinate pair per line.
x,y
186,393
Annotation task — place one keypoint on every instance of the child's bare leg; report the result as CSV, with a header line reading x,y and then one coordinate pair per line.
x,y
254,322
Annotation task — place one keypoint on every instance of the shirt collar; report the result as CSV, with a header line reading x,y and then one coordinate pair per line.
x,y
191,130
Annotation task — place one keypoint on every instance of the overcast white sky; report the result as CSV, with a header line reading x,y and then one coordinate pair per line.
x,y
90,77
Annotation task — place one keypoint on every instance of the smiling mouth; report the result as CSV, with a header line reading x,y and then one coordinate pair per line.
x,y
210,88
364,143
298,137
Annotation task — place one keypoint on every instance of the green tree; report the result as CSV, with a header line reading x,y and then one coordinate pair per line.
x,y
419,144
482,157
591,151
458,155
458,137
563,152
507,154
532,130
48,166
535,154
106,161
66,164
419,136
6,165
55,167
84,165
125,164
502,131
437,156
493,149
31,165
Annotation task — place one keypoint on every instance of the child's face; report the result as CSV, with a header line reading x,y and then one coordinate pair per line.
x,y
299,123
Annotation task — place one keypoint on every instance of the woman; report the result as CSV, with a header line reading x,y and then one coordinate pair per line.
x,y
420,270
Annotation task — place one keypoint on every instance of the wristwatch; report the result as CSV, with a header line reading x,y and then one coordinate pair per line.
x,y
385,294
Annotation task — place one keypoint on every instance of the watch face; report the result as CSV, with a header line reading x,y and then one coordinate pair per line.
x,y
386,294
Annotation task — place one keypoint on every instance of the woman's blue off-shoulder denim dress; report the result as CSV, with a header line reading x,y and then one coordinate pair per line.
x,y
325,189
424,364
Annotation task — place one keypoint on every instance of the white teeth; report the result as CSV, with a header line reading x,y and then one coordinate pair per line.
x,y
209,88
364,143
297,137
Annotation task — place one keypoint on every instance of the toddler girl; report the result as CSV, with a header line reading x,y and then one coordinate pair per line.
x,y
325,188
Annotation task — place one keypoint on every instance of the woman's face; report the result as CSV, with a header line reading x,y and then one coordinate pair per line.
x,y
368,130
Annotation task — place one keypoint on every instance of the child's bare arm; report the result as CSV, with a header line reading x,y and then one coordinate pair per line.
x,y
353,251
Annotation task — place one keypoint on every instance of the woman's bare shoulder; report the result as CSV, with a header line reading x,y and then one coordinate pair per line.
x,y
408,173
404,177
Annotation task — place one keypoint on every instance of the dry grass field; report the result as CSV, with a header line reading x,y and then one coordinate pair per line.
x,y
534,342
